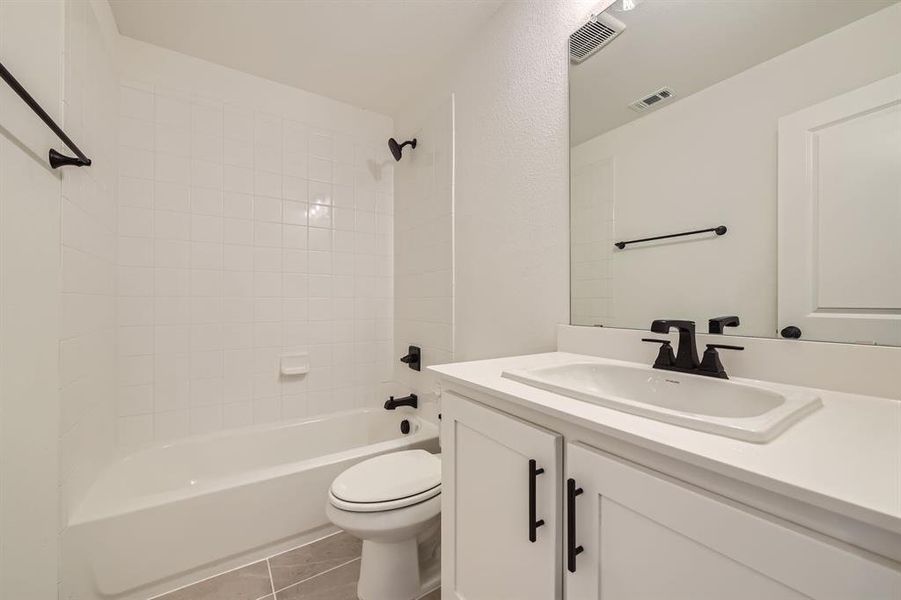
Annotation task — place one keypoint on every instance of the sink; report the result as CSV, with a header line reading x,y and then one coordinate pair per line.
x,y
746,410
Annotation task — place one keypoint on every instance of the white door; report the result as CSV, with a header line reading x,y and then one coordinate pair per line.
x,y
840,217
644,536
500,511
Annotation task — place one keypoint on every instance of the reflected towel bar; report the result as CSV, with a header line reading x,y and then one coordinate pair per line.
x,y
55,158
721,230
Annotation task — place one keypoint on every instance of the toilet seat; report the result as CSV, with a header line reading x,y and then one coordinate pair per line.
x,y
387,482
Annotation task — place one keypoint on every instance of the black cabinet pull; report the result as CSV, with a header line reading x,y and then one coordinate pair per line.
x,y
534,522
571,549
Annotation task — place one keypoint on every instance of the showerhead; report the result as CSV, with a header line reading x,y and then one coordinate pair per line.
x,y
397,149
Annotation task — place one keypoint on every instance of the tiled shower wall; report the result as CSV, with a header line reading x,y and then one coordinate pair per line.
x,y
245,234
423,262
87,346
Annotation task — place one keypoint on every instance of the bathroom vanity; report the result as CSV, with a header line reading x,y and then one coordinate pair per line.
x,y
546,495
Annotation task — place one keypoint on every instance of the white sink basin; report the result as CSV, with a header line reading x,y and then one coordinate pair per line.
x,y
745,410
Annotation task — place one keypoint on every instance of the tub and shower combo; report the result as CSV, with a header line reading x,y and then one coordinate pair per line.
x,y
171,514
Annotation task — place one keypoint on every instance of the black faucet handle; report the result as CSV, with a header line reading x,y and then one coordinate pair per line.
x,y
724,347
719,324
711,365
665,358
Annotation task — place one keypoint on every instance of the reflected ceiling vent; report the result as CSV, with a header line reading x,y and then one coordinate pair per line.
x,y
593,35
652,100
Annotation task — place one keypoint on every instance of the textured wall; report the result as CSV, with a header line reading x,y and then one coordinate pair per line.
x,y
511,241
57,281
30,47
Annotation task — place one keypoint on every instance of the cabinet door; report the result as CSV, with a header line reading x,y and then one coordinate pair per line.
x,y
646,536
492,497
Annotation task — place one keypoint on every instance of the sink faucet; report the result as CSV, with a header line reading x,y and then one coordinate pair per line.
x,y
686,358
687,352
411,400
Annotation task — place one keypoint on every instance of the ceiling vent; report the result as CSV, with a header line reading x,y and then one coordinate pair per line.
x,y
593,35
653,100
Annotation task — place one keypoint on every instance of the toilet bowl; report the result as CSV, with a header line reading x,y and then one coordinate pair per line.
x,y
393,503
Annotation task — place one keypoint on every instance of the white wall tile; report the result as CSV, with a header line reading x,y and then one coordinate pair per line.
x,y
229,253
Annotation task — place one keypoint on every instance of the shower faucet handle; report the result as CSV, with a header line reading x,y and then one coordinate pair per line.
x,y
413,359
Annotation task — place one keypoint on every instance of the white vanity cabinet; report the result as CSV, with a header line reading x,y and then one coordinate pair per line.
x,y
501,511
643,535
614,529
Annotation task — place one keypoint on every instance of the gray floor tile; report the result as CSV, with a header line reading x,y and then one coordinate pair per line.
x,y
247,583
310,560
337,584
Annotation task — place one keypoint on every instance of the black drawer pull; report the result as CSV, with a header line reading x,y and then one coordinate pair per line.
x,y
571,549
534,522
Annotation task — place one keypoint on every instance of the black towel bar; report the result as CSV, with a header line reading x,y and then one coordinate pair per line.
x,y
55,158
721,230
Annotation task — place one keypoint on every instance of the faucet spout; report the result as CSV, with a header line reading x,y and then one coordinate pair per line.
x,y
412,400
687,351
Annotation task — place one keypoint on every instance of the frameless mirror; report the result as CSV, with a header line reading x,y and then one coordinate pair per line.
x,y
738,158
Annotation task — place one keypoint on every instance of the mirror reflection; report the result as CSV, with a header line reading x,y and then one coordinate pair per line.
x,y
738,159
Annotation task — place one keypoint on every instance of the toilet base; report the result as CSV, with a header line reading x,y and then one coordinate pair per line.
x,y
385,572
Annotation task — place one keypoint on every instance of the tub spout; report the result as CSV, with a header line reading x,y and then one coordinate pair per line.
x,y
411,400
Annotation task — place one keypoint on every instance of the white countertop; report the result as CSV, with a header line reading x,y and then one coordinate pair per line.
x,y
845,457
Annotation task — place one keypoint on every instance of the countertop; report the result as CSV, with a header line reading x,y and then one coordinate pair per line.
x,y
845,457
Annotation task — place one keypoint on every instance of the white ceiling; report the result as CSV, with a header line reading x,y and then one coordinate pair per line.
x,y
370,53
689,45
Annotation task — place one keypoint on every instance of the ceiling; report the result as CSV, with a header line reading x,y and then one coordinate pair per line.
x,y
369,53
689,45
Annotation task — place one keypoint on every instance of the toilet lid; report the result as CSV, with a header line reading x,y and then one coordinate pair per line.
x,y
388,477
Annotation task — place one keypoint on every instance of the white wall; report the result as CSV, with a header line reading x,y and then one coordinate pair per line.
x,y
424,251
511,240
710,159
57,282
255,219
30,47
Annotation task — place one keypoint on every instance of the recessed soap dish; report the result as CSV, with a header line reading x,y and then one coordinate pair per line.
x,y
294,364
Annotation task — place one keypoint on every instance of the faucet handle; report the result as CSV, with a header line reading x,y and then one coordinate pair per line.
x,y
724,347
665,358
711,364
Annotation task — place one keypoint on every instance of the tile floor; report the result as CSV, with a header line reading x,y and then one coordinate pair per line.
x,y
326,569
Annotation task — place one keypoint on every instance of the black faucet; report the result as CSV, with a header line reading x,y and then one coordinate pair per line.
x,y
411,400
718,324
686,359
687,353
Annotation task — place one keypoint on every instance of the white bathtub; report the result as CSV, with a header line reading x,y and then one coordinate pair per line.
x,y
171,510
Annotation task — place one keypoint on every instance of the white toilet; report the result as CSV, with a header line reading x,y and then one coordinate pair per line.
x,y
393,503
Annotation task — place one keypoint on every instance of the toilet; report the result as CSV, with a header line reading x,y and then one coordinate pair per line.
x,y
393,503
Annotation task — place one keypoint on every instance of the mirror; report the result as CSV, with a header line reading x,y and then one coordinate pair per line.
x,y
762,138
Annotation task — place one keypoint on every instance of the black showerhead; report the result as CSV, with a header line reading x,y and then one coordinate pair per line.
x,y
397,149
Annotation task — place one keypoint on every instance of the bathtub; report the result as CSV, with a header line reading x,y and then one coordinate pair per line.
x,y
166,512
